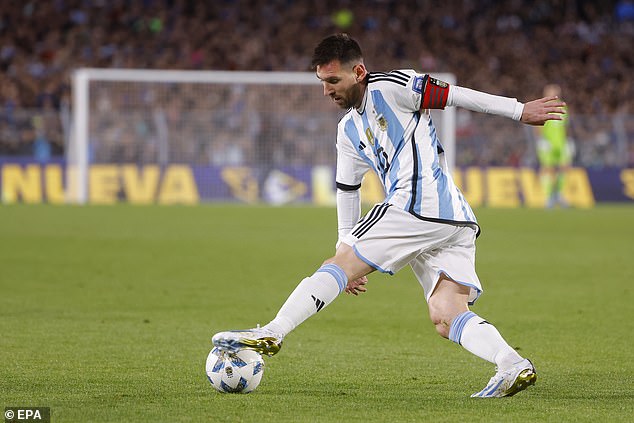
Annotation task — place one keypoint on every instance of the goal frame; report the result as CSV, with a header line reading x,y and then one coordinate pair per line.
x,y
77,153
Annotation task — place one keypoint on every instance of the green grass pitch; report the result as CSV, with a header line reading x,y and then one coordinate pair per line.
x,y
106,315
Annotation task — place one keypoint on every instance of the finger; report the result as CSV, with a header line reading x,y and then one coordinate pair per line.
x,y
557,104
552,116
555,108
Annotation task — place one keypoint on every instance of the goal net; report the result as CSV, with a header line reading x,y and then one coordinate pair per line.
x,y
164,136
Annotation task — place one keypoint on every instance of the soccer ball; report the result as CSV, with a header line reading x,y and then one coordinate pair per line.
x,y
239,372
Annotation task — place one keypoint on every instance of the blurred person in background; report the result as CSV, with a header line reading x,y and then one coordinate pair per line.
x,y
554,152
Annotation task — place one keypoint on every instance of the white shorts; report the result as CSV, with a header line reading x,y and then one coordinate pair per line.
x,y
389,238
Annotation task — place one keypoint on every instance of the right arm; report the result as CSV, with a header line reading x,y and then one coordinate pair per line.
x,y
350,171
348,214
348,209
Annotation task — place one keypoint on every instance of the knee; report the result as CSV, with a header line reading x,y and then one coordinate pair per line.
x,y
449,300
348,261
441,316
442,329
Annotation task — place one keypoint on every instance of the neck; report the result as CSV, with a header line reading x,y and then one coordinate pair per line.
x,y
363,87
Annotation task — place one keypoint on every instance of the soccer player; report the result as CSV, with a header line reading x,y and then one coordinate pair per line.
x,y
424,220
554,152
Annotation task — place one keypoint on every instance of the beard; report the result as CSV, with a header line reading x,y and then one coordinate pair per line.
x,y
342,102
348,99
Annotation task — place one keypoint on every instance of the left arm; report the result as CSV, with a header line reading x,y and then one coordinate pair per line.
x,y
478,101
535,112
438,94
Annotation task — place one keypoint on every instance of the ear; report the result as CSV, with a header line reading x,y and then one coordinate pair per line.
x,y
360,72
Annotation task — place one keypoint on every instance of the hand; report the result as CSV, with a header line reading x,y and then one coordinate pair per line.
x,y
538,112
356,286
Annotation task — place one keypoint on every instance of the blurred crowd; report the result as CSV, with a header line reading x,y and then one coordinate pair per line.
x,y
510,48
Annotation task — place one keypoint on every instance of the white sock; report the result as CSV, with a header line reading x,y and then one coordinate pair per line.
x,y
481,338
311,295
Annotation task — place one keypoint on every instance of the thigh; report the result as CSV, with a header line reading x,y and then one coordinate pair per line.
x,y
544,149
348,261
454,261
557,155
388,238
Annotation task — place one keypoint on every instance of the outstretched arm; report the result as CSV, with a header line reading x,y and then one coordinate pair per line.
x,y
538,112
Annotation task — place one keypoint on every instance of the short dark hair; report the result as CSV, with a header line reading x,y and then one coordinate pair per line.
x,y
336,47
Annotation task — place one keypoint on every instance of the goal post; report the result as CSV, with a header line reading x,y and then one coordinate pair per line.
x,y
145,136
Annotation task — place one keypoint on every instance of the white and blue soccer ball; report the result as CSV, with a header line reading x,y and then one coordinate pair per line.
x,y
239,372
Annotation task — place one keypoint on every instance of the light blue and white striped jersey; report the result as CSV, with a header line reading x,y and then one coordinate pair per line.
x,y
391,136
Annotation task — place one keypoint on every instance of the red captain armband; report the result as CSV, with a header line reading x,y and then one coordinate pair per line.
x,y
435,94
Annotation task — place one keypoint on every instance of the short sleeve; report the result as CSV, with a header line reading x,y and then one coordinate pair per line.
x,y
350,165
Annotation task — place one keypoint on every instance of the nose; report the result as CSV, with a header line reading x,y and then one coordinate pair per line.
x,y
328,89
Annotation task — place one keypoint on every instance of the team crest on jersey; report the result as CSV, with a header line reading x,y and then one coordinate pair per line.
x,y
370,136
417,86
380,119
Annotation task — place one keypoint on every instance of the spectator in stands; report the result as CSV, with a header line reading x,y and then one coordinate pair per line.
x,y
42,42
